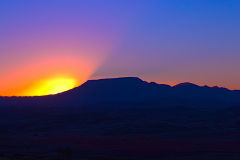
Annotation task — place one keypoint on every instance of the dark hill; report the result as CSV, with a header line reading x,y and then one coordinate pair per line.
x,y
135,90
123,118
132,90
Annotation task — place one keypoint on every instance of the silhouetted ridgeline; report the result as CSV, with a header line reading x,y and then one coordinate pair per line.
x,y
123,118
132,90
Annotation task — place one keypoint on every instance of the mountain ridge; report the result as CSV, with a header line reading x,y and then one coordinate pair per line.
x,y
133,90
131,80
137,79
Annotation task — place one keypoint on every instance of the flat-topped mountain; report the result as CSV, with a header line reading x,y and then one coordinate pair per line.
x,y
134,90
123,114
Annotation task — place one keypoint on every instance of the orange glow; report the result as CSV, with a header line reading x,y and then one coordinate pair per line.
x,y
61,63
50,86
48,75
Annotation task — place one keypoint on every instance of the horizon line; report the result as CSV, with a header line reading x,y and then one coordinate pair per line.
x,y
121,77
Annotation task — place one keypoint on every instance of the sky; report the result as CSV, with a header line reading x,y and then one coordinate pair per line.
x,y
54,42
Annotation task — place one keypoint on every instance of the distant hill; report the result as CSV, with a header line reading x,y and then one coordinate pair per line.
x,y
105,118
133,90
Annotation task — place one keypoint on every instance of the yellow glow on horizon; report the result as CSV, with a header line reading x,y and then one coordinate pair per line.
x,y
51,86
52,74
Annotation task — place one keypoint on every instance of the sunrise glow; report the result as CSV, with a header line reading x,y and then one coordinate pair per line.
x,y
51,86
47,75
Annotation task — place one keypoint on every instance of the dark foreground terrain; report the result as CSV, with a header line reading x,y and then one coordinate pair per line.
x,y
178,123
119,132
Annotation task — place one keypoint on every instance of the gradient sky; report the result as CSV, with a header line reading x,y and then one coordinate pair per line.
x,y
166,41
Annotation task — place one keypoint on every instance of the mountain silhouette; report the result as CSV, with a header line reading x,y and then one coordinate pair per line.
x,y
133,90
123,115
